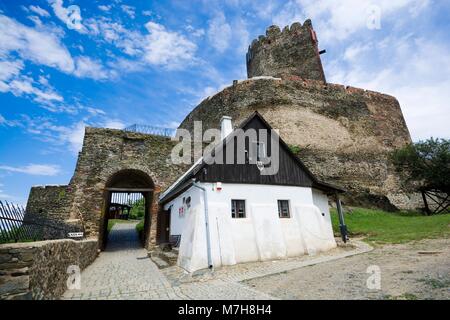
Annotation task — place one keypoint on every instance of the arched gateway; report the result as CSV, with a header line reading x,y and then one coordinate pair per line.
x,y
111,161
130,186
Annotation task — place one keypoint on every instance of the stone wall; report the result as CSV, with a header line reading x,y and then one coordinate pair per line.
x,y
108,151
345,134
292,51
50,207
49,202
38,270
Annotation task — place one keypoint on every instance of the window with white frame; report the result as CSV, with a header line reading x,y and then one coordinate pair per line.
x,y
238,208
283,209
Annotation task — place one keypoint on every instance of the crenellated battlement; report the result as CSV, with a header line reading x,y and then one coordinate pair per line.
x,y
291,51
273,33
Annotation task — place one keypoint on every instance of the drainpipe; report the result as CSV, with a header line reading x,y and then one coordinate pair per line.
x,y
208,236
342,226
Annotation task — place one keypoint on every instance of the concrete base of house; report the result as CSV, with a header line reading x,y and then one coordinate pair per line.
x,y
252,270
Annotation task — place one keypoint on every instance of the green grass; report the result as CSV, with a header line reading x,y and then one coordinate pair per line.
x,y
112,222
377,226
436,283
140,226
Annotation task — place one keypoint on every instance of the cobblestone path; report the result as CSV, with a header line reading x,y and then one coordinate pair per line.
x,y
124,271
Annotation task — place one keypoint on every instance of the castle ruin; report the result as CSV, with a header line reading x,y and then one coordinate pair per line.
x,y
343,134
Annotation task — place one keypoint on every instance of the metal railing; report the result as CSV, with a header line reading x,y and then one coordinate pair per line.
x,y
146,129
16,227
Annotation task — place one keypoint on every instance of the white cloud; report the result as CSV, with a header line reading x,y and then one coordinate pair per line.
x,y
35,20
5,195
34,169
241,33
160,47
38,10
2,121
89,68
41,47
114,124
410,76
195,32
129,41
104,7
167,48
129,10
338,20
25,86
74,136
8,70
93,111
219,32
352,52
71,15
12,81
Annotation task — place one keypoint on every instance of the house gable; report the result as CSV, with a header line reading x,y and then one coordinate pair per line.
x,y
290,171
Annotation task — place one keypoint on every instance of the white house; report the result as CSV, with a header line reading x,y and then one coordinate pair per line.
x,y
233,213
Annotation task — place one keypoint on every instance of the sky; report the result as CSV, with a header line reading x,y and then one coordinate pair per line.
x,y
68,64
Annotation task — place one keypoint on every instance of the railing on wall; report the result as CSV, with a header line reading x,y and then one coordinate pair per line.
x,y
158,131
15,227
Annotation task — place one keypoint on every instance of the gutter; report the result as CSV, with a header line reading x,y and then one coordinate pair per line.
x,y
208,235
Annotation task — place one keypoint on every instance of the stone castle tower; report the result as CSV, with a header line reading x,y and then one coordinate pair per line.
x,y
345,134
293,51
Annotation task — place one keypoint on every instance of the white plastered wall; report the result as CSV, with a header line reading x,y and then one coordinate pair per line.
x,y
262,235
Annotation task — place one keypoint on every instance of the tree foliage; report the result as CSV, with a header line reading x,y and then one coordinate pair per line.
x,y
138,209
425,164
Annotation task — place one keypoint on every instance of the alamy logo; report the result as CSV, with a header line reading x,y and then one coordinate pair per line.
x,y
74,17
256,147
374,280
373,21
74,280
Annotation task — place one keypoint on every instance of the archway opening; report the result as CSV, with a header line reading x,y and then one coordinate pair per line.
x,y
128,199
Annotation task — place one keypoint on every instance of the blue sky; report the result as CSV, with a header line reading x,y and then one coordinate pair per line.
x,y
116,63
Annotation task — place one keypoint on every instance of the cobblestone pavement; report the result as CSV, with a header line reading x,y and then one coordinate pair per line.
x,y
124,271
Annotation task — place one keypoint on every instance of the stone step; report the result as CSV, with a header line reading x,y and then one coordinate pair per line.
x,y
161,264
170,257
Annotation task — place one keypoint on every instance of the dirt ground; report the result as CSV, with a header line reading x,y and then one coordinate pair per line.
x,y
416,270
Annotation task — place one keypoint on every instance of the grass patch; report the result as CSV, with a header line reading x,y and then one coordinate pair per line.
x,y
405,296
383,227
140,226
112,222
436,283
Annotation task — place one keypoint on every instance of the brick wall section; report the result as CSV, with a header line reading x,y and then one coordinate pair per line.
x,y
345,134
38,270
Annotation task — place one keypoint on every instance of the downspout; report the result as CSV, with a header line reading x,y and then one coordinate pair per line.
x,y
208,235
342,226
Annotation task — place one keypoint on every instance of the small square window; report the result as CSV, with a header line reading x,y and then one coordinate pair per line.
x,y
238,208
283,209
